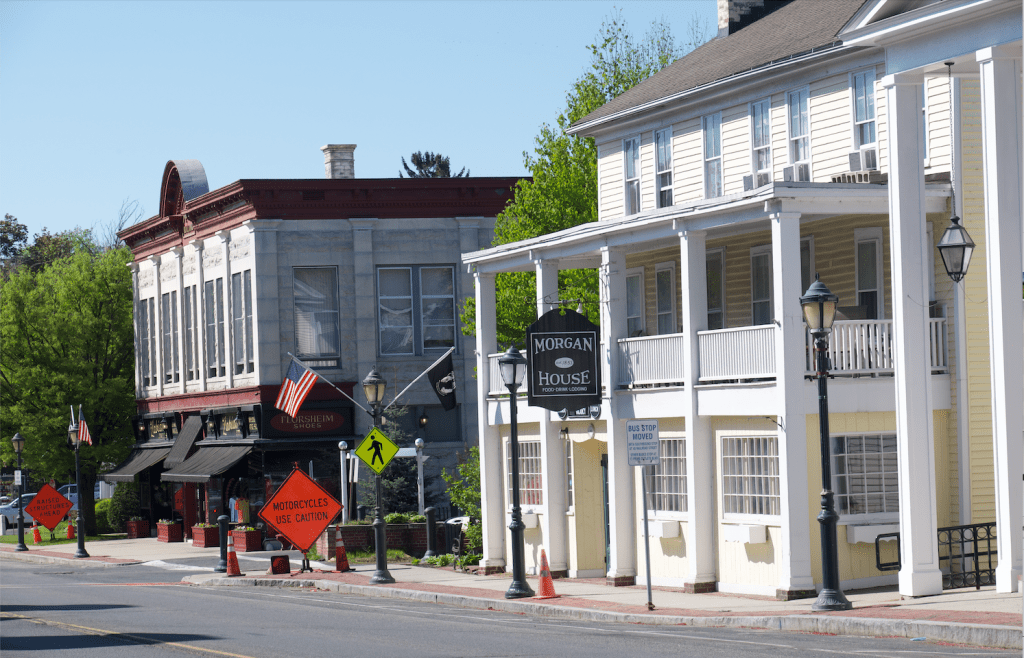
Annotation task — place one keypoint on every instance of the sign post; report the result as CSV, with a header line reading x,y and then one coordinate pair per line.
x,y
642,449
300,510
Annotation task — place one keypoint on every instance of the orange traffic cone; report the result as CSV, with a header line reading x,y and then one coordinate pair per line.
x,y
339,552
36,537
71,530
233,569
547,587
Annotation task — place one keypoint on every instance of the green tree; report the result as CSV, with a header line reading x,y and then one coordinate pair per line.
x,y
66,339
464,492
430,165
563,190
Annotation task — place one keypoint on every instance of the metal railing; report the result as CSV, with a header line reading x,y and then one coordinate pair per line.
x,y
966,551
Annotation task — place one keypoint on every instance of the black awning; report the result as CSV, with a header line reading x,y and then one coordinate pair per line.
x,y
210,461
138,461
186,437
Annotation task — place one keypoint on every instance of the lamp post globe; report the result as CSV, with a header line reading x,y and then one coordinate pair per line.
x,y
18,441
819,306
374,387
75,442
513,371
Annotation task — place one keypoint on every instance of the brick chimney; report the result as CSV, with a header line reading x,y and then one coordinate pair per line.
x,y
339,160
734,15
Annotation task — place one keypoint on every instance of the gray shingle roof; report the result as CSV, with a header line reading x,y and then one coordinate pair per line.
x,y
799,27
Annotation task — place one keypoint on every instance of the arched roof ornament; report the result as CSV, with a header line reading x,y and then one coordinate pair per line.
x,y
183,181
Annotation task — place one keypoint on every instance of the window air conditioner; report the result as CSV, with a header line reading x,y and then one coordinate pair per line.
x,y
803,173
787,174
748,183
866,160
763,178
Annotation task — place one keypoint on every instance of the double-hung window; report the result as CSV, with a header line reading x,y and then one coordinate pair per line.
x,y
416,309
241,321
761,284
750,475
169,331
712,156
864,109
663,156
631,165
316,315
666,482
635,322
147,341
761,142
215,346
530,490
799,135
665,278
866,474
869,271
715,271
190,325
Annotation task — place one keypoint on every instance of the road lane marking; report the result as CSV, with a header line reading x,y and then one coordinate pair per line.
x,y
134,638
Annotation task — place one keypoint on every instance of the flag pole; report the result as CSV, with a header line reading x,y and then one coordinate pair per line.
x,y
327,381
443,357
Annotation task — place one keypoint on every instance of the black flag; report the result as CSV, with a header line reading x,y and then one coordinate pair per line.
x,y
442,379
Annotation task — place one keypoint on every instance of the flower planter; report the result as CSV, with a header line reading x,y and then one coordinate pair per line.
x,y
247,540
169,533
205,537
137,529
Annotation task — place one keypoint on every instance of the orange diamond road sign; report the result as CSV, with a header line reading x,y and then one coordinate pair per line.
x,y
48,507
300,510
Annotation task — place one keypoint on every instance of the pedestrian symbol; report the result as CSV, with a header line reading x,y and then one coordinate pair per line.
x,y
376,450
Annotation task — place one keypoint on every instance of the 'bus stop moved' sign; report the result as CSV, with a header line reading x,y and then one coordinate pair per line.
x,y
642,448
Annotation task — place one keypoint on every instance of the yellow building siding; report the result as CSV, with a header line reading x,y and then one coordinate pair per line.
x,y
831,127
780,135
687,159
647,196
735,148
976,293
611,196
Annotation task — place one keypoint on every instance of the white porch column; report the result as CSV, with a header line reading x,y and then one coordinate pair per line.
x,y
795,579
700,448
622,560
552,458
1001,148
491,467
919,575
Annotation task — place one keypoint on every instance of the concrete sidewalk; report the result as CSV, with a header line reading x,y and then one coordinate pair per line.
x,y
967,616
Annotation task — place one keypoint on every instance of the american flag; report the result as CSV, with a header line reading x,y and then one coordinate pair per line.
x,y
296,386
83,430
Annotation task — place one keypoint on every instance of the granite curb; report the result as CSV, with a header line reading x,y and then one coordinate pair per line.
x,y
979,635
91,562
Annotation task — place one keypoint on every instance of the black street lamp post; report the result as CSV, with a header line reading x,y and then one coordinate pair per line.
x,y
374,386
819,305
19,444
76,442
513,371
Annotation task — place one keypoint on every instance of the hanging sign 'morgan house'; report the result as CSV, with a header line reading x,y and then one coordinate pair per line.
x,y
562,348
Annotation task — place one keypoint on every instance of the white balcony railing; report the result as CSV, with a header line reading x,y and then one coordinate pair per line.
x,y
496,386
651,360
865,347
739,353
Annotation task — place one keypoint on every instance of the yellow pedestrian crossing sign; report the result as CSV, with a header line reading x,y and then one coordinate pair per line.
x,y
376,450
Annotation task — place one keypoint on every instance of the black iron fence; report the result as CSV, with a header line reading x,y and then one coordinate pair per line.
x,y
967,555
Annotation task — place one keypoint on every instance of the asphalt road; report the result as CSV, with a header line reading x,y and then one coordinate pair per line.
x,y
144,610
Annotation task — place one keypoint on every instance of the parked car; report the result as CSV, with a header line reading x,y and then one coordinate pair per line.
x,y
9,513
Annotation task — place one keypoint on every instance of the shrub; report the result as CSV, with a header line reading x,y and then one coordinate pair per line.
x,y
397,517
440,560
417,518
102,511
124,505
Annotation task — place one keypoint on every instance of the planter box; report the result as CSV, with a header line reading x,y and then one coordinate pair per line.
x,y
137,529
169,533
205,537
247,540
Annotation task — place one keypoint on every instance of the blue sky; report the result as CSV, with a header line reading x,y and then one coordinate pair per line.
x,y
95,97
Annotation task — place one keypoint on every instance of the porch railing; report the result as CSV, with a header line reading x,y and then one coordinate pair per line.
x,y
737,354
651,360
496,386
865,347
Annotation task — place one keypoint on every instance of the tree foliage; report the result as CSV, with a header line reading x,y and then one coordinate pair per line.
x,y
430,165
464,492
563,190
66,339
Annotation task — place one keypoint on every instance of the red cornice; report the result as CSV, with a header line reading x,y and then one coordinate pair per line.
x,y
290,199
234,397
